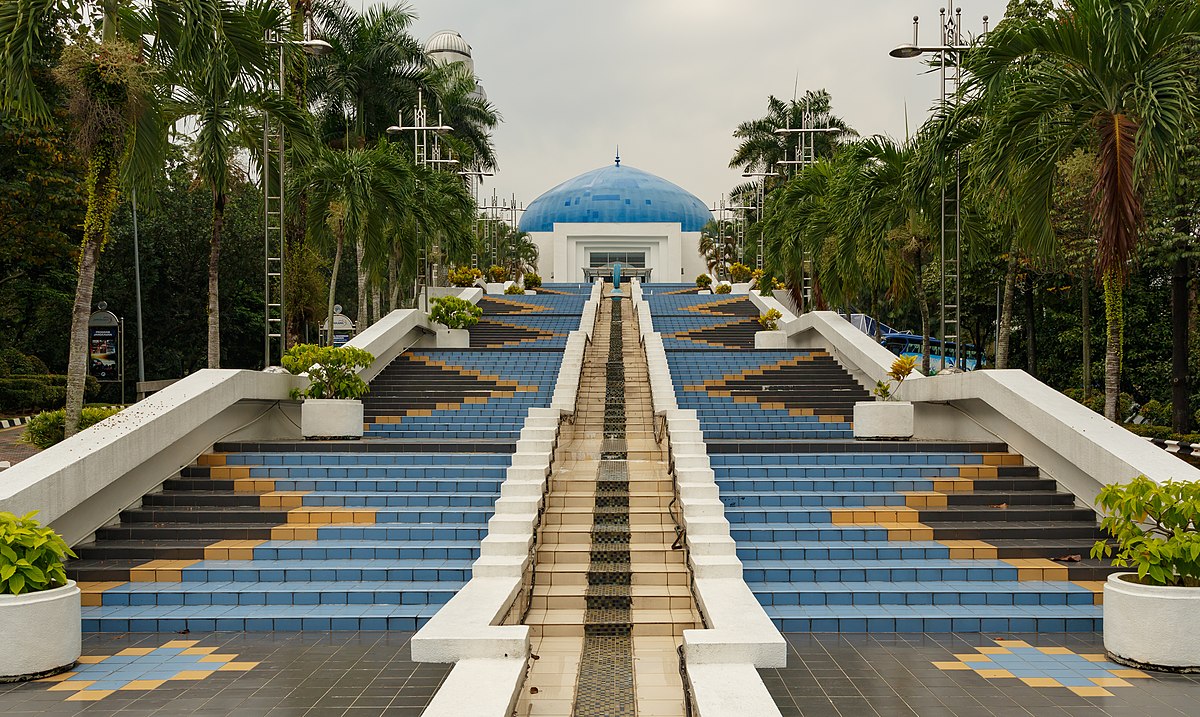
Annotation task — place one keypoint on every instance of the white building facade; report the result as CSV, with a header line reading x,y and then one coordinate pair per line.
x,y
617,214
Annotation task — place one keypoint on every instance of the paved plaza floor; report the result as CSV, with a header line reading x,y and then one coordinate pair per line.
x,y
369,673
970,675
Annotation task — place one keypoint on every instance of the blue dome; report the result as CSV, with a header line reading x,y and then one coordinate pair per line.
x,y
616,194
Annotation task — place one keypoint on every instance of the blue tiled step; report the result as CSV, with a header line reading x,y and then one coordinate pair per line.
x,y
214,571
772,460
367,459
808,499
495,473
437,435
289,593
830,550
936,618
820,571
922,593
745,486
772,435
448,530
255,618
364,550
391,500
772,531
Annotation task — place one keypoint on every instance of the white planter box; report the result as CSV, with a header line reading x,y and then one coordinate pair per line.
x,y
41,632
740,288
530,292
495,288
329,418
883,420
770,340
453,339
705,292
1152,626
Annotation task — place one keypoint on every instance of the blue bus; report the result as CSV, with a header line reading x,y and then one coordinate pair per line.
x,y
903,344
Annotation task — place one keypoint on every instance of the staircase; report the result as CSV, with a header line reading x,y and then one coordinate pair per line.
x,y
837,535
611,596
374,534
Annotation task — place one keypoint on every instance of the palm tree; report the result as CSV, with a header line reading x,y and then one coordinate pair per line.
x,y
1113,76
353,196
375,69
115,82
761,148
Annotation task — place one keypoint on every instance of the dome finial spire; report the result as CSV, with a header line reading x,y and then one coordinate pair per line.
x,y
618,155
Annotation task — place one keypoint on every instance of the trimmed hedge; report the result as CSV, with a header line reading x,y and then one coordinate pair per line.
x,y
46,429
31,392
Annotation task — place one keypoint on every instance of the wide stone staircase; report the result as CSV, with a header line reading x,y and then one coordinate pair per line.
x,y
611,593
838,535
344,535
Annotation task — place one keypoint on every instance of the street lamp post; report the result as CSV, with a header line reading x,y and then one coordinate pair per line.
x,y
950,52
475,177
274,232
762,202
421,130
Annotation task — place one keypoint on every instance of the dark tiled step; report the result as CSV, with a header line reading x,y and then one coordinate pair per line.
x,y
1012,498
200,498
390,445
153,549
1011,514
991,531
186,531
844,446
205,515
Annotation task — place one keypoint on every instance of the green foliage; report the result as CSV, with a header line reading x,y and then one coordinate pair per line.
x,y
740,273
901,369
704,281
497,274
463,276
1163,432
532,280
1157,528
31,556
1096,401
1156,413
454,313
332,370
22,393
15,363
46,428
514,290
770,320
723,289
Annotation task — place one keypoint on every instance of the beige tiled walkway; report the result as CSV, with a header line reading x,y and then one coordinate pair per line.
x,y
662,602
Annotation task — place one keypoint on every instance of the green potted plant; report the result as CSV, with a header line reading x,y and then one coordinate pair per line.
x,y
886,418
331,407
455,316
463,276
741,275
704,283
770,337
514,290
40,614
723,288
1152,614
532,281
497,279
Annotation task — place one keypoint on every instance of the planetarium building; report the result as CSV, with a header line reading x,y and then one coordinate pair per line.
x,y
617,214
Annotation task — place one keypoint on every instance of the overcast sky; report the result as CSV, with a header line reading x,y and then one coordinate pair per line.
x,y
669,80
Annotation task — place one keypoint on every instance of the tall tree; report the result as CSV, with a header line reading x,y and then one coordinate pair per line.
x,y
1115,74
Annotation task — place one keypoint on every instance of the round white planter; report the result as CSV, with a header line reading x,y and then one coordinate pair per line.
x,y
883,420
328,418
41,633
1151,625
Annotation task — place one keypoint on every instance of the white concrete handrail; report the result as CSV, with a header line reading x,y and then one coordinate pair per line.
x,y
489,657
1074,445
722,659
82,483
85,481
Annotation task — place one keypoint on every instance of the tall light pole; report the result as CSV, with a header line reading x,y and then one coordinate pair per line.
x,y
762,201
475,178
806,156
950,53
274,236
423,156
